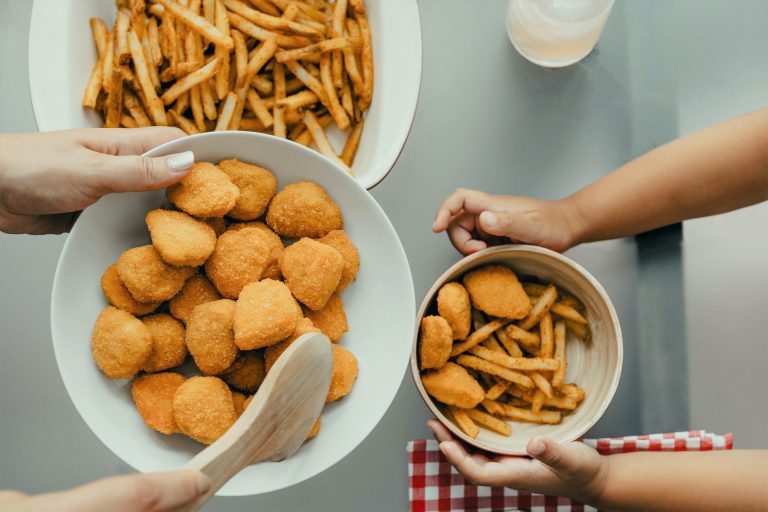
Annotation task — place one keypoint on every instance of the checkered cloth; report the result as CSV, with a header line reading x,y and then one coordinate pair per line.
x,y
434,486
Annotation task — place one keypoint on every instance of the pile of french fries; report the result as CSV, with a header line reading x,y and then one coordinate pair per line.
x,y
285,67
522,365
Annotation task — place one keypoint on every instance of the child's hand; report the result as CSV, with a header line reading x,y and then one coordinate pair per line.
x,y
572,470
474,220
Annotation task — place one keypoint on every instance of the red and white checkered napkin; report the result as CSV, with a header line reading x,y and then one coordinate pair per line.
x,y
434,486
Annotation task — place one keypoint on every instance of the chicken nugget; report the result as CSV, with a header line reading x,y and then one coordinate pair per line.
x,y
148,277
271,353
344,373
218,224
197,290
453,385
120,343
315,429
240,257
119,296
238,400
453,305
153,396
210,337
204,409
168,346
266,313
257,188
304,209
312,271
247,372
436,342
495,290
331,319
339,240
276,248
206,191
180,239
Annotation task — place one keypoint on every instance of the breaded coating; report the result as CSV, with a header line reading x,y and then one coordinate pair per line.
x,y
218,224
168,346
210,337
304,209
344,373
197,290
435,343
119,296
271,353
339,240
238,400
331,319
266,313
453,305
180,239
495,290
240,257
148,277
276,248
312,271
206,191
257,188
204,409
315,429
153,396
247,372
453,385
120,343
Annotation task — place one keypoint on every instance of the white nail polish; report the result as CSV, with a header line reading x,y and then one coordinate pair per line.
x,y
180,162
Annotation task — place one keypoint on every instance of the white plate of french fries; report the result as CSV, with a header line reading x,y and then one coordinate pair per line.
x,y
340,77
552,372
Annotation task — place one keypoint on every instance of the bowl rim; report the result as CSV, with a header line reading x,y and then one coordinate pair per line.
x,y
467,262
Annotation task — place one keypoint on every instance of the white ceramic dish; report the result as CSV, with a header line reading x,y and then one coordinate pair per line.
x,y
380,306
61,55
595,366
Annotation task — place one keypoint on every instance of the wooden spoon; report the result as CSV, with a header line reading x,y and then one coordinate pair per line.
x,y
278,419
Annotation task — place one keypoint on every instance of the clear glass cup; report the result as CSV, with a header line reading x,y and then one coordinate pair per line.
x,y
556,33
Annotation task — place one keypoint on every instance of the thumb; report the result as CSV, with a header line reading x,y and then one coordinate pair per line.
x,y
564,459
134,173
505,224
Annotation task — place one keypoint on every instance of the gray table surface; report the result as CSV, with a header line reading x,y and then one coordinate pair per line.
x,y
486,119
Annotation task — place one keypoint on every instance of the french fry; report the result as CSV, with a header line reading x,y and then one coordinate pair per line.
x,y
366,57
198,23
156,10
270,22
508,343
547,336
182,122
490,422
266,7
138,8
305,139
226,112
464,422
517,402
299,100
241,57
259,108
569,300
540,307
537,400
279,128
337,30
237,115
491,344
346,95
122,22
559,376
579,330
318,134
322,47
334,107
182,103
251,124
153,74
568,313
209,104
309,80
94,85
529,340
498,389
153,103
250,29
127,121
134,108
311,12
196,103
209,11
573,391
350,58
114,100
533,289
561,402
108,62
491,406
191,80
100,33
353,142
263,85
519,414
154,42
495,369
515,363
541,383
477,337
265,51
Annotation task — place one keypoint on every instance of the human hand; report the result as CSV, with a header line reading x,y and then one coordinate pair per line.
x,y
47,178
475,220
573,470
152,492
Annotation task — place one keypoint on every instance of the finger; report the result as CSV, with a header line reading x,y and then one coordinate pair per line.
x,y
472,201
440,431
137,173
518,226
564,459
477,471
127,141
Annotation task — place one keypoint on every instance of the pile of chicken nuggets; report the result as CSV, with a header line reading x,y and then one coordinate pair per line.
x,y
494,351
233,276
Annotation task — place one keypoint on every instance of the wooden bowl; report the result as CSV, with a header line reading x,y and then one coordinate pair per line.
x,y
594,366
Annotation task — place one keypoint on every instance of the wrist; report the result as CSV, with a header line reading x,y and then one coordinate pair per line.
x,y
594,493
574,220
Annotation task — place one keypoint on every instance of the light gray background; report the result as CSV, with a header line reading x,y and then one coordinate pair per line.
x,y
487,119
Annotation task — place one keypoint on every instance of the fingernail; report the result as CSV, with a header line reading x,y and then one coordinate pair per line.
x,y
490,219
537,447
203,484
180,162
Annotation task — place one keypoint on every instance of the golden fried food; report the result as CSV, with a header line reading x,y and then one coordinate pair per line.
x,y
436,342
168,346
210,337
276,248
339,240
257,187
495,290
453,385
218,224
271,353
203,408
331,319
453,305
312,271
266,313
119,296
238,400
247,372
206,191
153,396
344,373
304,209
120,343
148,277
180,239
240,257
315,429
197,290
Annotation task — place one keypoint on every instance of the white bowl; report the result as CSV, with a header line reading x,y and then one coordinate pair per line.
x,y
380,306
595,366
62,53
